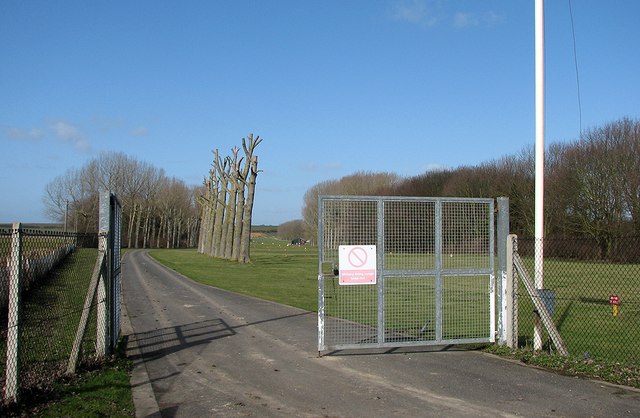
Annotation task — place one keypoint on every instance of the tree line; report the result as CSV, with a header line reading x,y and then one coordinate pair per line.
x,y
157,210
226,203
592,186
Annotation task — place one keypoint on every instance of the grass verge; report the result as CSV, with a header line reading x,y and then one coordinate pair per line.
x,y
100,391
612,372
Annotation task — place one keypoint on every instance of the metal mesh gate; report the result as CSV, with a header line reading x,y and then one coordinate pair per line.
x,y
434,271
111,223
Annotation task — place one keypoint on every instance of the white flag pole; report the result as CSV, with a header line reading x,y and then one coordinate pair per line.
x,y
539,163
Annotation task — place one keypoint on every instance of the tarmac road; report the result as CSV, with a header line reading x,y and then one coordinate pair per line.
x,y
204,352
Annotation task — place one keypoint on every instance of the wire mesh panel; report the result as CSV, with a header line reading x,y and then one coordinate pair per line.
x,y
434,271
592,294
410,309
466,311
351,311
54,269
467,234
113,214
51,316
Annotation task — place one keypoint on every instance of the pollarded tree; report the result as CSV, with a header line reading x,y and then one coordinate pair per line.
x,y
226,203
220,169
249,180
231,220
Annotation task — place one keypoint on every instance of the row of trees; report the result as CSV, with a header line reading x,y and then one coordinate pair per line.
x,y
592,186
226,203
158,211
291,230
360,183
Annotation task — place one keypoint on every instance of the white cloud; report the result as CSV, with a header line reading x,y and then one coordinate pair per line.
x,y
69,133
414,11
106,124
328,167
32,134
463,20
431,12
139,131
485,19
435,167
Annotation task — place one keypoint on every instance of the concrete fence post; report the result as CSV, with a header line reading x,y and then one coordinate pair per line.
x,y
502,277
511,295
12,370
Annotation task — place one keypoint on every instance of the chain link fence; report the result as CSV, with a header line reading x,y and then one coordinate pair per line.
x,y
40,311
592,291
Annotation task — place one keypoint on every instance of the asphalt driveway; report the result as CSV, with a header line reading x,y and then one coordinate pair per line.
x,y
205,352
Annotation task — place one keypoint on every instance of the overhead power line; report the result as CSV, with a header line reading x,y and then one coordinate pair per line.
x,y
575,61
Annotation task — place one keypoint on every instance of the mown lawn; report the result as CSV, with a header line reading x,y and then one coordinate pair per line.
x,y
277,272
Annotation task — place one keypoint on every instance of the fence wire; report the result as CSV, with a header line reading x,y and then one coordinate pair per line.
x,y
593,292
55,272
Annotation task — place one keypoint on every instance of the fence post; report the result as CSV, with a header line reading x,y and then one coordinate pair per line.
x,y
12,370
511,295
503,305
102,326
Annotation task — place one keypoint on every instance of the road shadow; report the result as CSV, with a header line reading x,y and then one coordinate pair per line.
x,y
161,342
157,343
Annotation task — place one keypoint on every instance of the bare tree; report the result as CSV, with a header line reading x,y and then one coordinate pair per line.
x,y
360,183
220,168
137,184
231,221
251,160
226,203
628,132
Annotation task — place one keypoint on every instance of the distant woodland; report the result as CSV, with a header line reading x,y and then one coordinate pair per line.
x,y
592,186
592,190
158,211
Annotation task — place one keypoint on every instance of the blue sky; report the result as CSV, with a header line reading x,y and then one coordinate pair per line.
x,y
333,87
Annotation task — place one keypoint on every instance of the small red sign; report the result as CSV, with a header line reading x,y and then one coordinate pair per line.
x,y
614,300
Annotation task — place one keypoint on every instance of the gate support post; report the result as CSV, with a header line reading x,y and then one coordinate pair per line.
x,y
503,279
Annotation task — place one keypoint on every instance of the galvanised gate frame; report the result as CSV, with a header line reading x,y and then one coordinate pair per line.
x,y
435,281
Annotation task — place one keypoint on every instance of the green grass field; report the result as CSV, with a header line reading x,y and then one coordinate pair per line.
x,y
277,272
288,274
583,314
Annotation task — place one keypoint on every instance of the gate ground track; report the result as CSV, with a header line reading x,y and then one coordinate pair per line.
x,y
209,352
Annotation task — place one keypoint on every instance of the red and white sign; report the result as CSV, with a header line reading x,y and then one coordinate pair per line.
x,y
614,300
357,264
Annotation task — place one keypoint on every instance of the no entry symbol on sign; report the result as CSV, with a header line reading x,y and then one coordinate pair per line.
x,y
357,264
357,257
